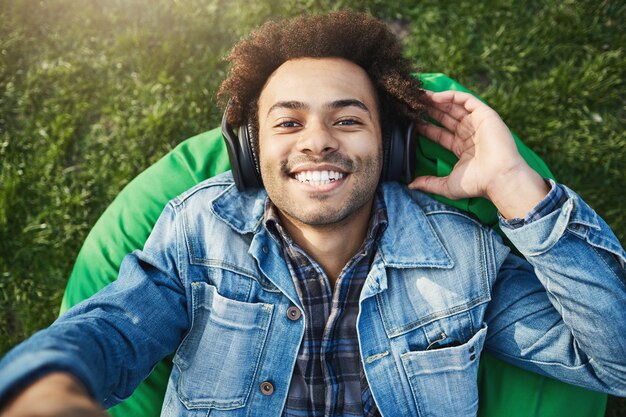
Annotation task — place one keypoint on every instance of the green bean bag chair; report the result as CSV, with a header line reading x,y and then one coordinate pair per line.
x,y
505,391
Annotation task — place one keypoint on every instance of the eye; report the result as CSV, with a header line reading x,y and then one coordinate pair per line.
x,y
287,124
348,122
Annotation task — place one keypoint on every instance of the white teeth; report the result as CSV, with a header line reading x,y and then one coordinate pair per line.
x,y
319,177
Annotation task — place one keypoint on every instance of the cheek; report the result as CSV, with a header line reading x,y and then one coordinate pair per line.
x,y
267,153
272,156
372,150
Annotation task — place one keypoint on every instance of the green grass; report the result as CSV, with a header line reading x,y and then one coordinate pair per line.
x,y
92,92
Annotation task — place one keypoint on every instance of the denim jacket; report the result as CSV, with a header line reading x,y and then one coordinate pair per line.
x,y
212,286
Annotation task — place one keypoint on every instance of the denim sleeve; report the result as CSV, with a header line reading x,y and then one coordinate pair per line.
x,y
112,340
552,201
562,310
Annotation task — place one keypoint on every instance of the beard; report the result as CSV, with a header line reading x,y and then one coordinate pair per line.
x,y
322,209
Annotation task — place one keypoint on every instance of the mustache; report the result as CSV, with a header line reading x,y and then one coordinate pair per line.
x,y
339,160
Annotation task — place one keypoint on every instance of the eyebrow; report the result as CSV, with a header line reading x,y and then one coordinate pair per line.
x,y
338,104
291,105
333,105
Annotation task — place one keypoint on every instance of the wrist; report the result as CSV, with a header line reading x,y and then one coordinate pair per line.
x,y
517,192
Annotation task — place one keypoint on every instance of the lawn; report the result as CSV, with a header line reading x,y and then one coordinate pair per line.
x,y
92,92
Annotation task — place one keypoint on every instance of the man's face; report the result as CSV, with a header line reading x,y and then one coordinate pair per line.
x,y
320,140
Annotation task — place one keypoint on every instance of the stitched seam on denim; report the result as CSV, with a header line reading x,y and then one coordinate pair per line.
x,y
382,311
360,347
618,279
185,231
406,400
182,266
532,361
610,245
202,186
461,308
412,265
192,320
585,222
484,282
490,262
220,264
463,215
416,403
409,356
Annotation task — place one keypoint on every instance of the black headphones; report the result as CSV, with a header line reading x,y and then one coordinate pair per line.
x,y
399,143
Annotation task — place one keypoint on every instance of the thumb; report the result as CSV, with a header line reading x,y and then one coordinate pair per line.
x,y
432,184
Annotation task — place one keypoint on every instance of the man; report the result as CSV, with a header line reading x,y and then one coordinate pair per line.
x,y
327,292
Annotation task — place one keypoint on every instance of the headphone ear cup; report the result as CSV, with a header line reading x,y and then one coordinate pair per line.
x,y
399,161
394,158
410,153
249,160
243,161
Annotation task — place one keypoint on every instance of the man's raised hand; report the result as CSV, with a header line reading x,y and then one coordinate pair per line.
x,y
489,163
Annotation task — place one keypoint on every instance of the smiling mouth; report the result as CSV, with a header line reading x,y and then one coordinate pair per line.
x,y
317,178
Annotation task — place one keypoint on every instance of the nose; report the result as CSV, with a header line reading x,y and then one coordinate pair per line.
x,y
317,139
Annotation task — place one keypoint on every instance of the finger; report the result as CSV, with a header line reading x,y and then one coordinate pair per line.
x,y
450,96
436,134
454,110
466,100
432,184
444,118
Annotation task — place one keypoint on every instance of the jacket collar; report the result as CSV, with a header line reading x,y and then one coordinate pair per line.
x,y
408,242
243,211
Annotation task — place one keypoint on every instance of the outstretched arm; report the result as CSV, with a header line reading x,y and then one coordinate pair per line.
x,y
110,342
489,163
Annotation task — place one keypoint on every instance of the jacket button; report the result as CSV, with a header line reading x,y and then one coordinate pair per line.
x,y
267,388
293,313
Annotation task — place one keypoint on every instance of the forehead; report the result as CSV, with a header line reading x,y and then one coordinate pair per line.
x,y
317,81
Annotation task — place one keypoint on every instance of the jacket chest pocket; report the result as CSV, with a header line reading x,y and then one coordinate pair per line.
x,y
219,357
434,320
443,380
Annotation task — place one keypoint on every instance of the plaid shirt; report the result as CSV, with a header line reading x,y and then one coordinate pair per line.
x,y
328,379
